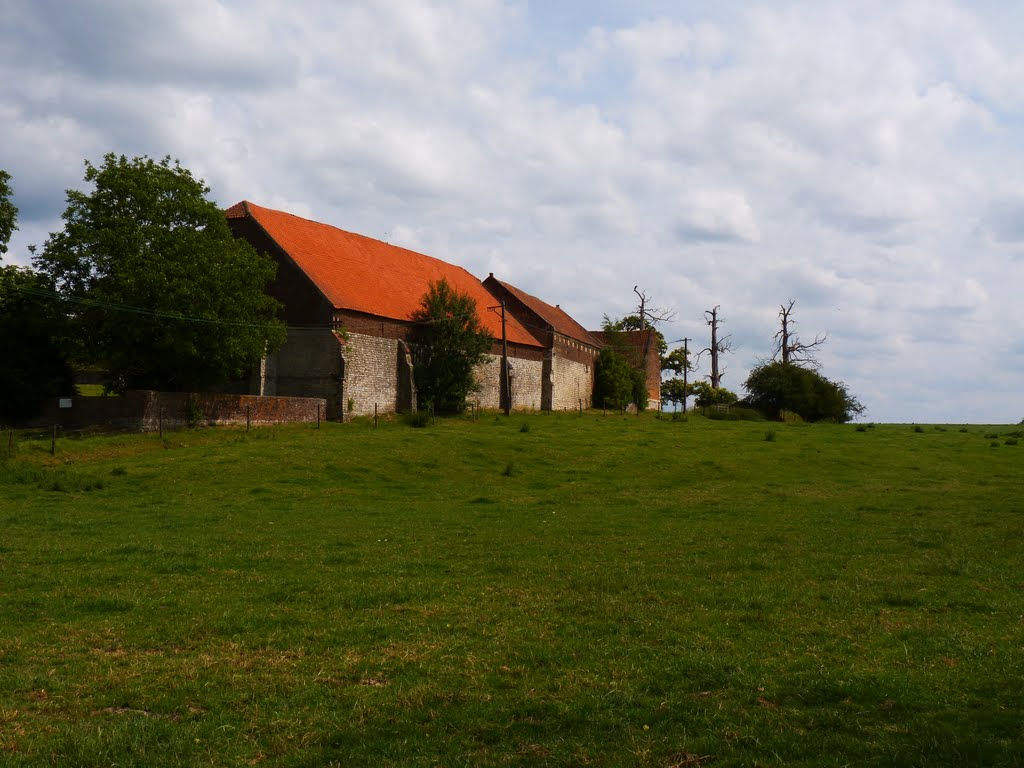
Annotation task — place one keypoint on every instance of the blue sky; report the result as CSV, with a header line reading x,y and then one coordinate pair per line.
x,y
865,159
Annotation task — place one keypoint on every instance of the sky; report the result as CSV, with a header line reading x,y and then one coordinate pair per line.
x,y
864,159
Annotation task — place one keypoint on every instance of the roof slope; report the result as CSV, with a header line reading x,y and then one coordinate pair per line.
x,y
358,273
555,316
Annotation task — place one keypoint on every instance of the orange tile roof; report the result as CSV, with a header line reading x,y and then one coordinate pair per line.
x,y
555,316
361,274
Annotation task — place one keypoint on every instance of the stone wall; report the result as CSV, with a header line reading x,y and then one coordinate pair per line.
x,y
573,381
526,375
378,372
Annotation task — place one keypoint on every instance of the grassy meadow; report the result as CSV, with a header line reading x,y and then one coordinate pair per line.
x,y
550,590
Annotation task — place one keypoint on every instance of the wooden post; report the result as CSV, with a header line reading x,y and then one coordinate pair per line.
x,y
318,415
53,441
248,418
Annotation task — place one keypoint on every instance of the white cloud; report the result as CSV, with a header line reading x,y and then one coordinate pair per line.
x,y
861,158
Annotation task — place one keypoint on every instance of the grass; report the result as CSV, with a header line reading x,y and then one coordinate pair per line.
x,y
637,592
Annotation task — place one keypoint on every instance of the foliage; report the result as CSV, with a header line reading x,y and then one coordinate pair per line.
x,y
418,419
677,361
34,334
616,382
730,413
169,299
707,395
8,212
451,343
675,391
774,387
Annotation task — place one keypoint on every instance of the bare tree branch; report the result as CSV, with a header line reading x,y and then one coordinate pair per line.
x,y
651,315
788,347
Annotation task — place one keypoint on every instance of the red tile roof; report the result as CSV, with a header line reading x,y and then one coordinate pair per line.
x,y
555,316
361,274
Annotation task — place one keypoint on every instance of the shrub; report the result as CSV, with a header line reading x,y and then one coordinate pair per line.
x,y
418,419
777,387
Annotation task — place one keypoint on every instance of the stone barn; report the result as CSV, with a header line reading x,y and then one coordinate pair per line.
x,y
570,351
348,302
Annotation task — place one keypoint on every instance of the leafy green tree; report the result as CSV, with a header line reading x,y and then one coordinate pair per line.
x,y
774,387
675,390
616,382
677,361
8,213
707,395
166,297
451,342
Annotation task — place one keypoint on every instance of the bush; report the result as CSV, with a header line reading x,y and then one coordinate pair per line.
x,y
778,387
418,419
731,413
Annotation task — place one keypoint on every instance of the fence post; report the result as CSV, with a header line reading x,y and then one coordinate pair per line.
x,y
248,418
318,415
53,441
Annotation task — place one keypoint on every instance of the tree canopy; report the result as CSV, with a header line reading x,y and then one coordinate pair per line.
x,y
617,383
774,387
8,213
165,297
451,342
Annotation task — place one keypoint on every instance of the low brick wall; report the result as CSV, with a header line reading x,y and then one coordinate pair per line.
x,y
144,410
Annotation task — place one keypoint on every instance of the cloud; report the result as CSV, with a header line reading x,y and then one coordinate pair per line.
x,y
861,158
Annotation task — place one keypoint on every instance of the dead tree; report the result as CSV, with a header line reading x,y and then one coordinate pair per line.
x,y
651,315
718,346
788,347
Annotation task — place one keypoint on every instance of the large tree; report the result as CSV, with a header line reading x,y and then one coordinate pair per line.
x,y
8,213
719,346
165,297
451,343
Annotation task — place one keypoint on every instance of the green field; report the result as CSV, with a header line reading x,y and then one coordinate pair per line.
x,y
548,590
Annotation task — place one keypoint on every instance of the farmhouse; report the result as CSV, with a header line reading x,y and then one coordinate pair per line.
x,y
348,303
